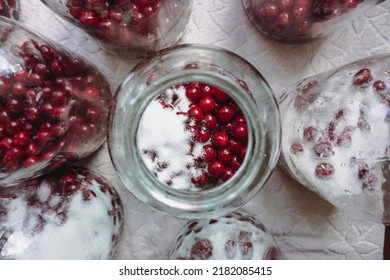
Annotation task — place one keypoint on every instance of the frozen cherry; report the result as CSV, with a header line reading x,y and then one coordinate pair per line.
x,y
311,133
240,132
225,113
202,250
209,153
227,174
324,170
296,148
195,113
323,148
193,94
199,180
362,77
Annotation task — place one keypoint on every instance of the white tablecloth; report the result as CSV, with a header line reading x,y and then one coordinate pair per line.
x,y
304,225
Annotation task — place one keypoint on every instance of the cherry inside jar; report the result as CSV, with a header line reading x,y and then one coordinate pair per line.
x,y
194,132
129,27
9,8
193,136
298,21
53,107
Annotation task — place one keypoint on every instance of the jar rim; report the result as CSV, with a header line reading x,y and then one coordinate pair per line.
x,y
204,203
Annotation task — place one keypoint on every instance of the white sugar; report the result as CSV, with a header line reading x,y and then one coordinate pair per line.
x,y
164,142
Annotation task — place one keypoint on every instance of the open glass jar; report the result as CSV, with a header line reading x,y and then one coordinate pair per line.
x,y
297,21
53,105
336,136
246,123
133,28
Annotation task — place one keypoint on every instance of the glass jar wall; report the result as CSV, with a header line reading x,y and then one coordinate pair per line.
x,y
298,21
133,28
336,136
53,105
243,138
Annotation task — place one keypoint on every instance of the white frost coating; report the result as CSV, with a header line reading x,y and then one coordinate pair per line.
x,y
163,140
85,234
220,233
339,93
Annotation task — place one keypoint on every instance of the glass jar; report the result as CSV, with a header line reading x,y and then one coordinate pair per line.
x,y
336,136
9,8
53,105
69,214
133,28
194,64
235,236
297,21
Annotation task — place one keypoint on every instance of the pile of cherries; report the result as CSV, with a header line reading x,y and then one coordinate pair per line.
x,y
8,8
123,22
53,102
216,121
296,19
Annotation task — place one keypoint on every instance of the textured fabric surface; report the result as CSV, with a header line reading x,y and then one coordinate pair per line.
x,y
304,225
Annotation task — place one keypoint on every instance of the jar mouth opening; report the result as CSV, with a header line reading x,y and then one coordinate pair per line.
x,y
194,63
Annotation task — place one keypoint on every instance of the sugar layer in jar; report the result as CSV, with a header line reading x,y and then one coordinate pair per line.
x,y
236,236
336,134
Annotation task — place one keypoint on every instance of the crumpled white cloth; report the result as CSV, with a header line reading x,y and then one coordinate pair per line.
x,y
304,225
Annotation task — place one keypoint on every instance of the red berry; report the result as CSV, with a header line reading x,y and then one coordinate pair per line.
x,y
235,162
195,113
209,153
296,148
209,121
201,250
269,11
207,104
240,132
227,174
199,180
204,135
324,170
311,133
224,155
220,139
193,94
283,21
216,168
225,114
323,148
379,86
220,96
362,77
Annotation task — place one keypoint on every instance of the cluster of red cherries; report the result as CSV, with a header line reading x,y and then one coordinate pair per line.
x,y
124,22
8,8
53,102
296,19
217,123
215,120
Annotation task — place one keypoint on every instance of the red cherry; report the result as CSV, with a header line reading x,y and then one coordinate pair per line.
x,y
209,121
324,170
201,250
193,94
269,11
310,133
200,180
227,174
204,135
220,139
195,113
225,113
235,162
362,77
216,168
207,104
323,148
224,155
240,132
209,153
